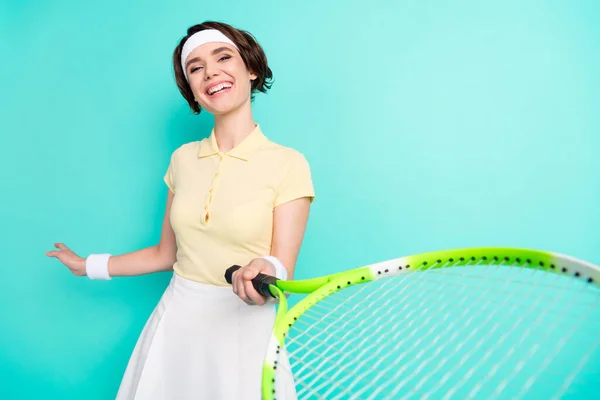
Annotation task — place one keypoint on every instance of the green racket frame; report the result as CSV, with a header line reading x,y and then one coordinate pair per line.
x,y
321,287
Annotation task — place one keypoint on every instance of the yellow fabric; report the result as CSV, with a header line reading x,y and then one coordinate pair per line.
x,y
222,210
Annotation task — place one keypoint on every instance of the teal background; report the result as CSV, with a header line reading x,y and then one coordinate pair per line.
x,y
428,125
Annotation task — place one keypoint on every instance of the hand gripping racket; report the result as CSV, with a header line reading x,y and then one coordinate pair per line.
x,y
464,323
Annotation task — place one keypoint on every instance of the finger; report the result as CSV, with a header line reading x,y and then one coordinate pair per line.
x,y
233,282
241,292
262,301
51,253
60,246
250,273
252,293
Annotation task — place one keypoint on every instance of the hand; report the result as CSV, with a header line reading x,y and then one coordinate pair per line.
x,y
242,281
66,256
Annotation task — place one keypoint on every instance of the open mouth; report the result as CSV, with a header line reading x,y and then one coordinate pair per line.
x,y
219,88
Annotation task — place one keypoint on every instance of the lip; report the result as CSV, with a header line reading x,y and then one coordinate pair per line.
x,y
216,84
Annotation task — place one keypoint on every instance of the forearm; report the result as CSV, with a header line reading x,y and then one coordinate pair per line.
x,y
290,225
140,262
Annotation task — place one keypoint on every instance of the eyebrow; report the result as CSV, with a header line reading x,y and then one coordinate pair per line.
x,y
215,51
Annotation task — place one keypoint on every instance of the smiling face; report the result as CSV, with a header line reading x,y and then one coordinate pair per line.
x,y
218,78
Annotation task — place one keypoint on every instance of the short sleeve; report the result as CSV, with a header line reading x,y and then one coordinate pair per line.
x,y
297,181
169,177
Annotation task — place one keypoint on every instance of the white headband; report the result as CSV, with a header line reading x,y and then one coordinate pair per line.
x,y
200,38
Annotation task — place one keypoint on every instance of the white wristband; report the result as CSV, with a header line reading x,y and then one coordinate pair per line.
x,y
280,271
96,266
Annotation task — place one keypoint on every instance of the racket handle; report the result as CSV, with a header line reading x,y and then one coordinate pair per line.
x,y
261,282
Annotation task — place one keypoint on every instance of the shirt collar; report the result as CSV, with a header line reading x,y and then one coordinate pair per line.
x,y
244,150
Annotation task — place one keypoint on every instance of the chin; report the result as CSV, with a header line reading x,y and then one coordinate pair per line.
x,y
223,109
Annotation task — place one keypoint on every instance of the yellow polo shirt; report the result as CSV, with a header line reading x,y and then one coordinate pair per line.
x,y
222,210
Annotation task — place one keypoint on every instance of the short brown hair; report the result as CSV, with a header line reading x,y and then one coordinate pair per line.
x,y
252,54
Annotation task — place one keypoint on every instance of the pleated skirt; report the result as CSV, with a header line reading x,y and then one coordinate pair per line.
x,y
200,342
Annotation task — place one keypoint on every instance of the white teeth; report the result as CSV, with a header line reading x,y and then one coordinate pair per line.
x,y
218,88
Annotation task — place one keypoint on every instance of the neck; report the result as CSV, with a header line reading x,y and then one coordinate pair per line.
x,y
233,127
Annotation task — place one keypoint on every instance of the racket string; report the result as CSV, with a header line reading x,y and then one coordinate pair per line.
x,y
441,333
353,337
576,371
420,277
481,341
559,347
315,350
550,328
362,345
489,352
329,347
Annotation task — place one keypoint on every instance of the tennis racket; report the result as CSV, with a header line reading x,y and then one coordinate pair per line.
x,y
464,323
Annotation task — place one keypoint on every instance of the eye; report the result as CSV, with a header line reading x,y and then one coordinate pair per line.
x,y
195,68
225,57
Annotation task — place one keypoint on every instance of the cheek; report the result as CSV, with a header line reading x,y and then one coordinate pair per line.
x,y
241,76
194,83
244,86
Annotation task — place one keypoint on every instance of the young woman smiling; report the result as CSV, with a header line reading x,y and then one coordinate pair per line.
x,y
234,197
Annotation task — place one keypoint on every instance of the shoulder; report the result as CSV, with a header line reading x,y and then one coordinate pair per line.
x,y
188,148
177,163
185,150
282,155
291,170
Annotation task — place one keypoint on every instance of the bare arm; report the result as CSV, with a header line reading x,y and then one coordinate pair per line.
x,y
289,225
157,258
160,257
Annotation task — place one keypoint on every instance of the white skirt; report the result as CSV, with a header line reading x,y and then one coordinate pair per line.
x,y
201,342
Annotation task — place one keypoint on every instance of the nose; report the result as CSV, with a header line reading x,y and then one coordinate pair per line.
x,y
210,71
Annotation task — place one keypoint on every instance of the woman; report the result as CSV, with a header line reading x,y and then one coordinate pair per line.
x,y
233,198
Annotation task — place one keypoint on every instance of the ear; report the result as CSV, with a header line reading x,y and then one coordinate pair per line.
x,y
253,77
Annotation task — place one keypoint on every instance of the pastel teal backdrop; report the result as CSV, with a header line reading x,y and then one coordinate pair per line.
x,y
427,125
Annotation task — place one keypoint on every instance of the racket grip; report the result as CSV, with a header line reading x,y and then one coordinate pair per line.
x,y
261,282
